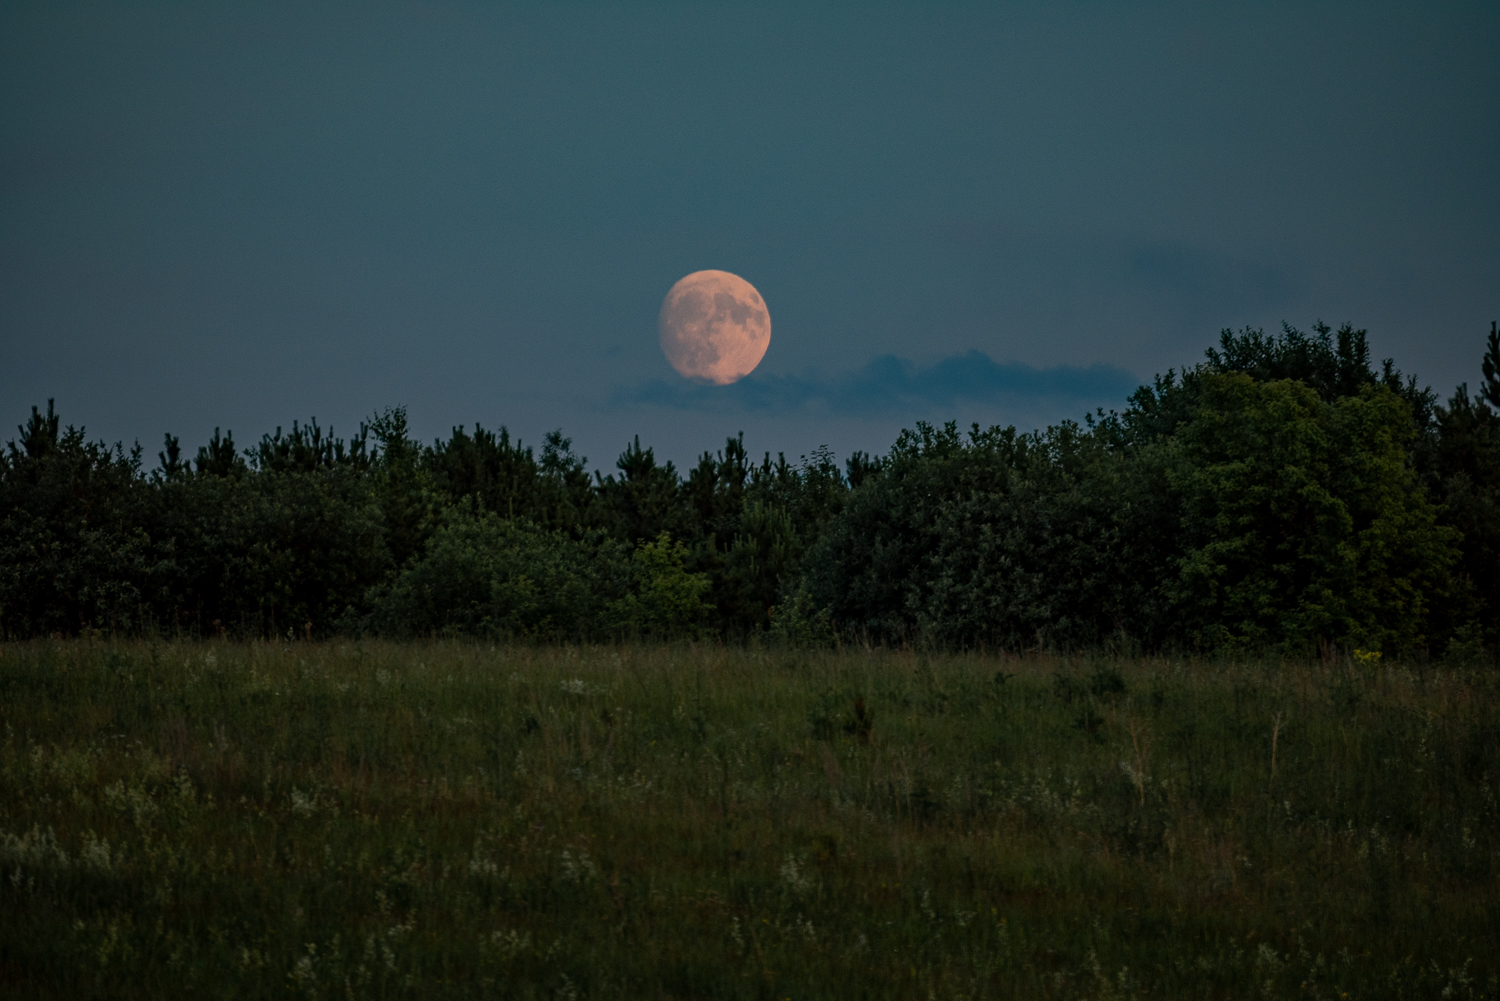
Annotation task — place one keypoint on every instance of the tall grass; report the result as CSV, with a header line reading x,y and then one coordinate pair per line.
x,y
450,820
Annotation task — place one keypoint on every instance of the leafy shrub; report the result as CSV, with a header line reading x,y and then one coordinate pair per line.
x,y
798,621
665,600
487,575
999,538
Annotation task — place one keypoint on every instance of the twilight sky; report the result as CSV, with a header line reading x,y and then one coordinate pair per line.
x,y
238,215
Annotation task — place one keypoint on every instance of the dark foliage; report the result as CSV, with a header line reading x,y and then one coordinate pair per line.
x,y
1282,495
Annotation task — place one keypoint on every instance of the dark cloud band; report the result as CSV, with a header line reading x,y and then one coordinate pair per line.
x,y
889,384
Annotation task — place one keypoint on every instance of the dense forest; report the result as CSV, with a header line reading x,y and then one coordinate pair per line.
x,y
1282,495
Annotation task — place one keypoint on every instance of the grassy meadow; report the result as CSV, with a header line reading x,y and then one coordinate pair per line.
x,y
373,820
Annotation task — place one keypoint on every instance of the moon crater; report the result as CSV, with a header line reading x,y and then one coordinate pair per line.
x,y
714,327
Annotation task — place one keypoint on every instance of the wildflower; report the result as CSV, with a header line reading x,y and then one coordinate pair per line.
x,y
303,805
482,865
509,944
795,876
579,869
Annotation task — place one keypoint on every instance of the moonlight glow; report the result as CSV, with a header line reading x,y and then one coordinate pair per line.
x,y
714,327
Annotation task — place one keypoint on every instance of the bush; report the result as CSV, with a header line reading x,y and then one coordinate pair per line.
x,y
665,600
489,576
1303,521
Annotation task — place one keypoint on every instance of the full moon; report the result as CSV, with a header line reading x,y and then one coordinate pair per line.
x,y
714,327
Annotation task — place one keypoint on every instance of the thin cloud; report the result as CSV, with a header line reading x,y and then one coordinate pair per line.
x,y
889,384
1203,283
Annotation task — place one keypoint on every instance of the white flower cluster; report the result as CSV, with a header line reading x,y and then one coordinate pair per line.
x,y
303,805
38,849
577,869
796,876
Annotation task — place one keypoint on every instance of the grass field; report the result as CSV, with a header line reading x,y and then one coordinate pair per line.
x,y
451,820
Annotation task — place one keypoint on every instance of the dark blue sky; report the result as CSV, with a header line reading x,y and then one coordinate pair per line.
x,y
238,215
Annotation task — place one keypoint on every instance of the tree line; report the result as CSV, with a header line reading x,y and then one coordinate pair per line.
x,y
1283,495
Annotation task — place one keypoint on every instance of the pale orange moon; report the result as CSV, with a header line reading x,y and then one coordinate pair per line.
x,y
714,327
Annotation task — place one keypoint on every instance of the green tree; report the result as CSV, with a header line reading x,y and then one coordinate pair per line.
x,y
1303,521
643,500
73,550
665,599
761,562
998,537
402,486
1466,481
